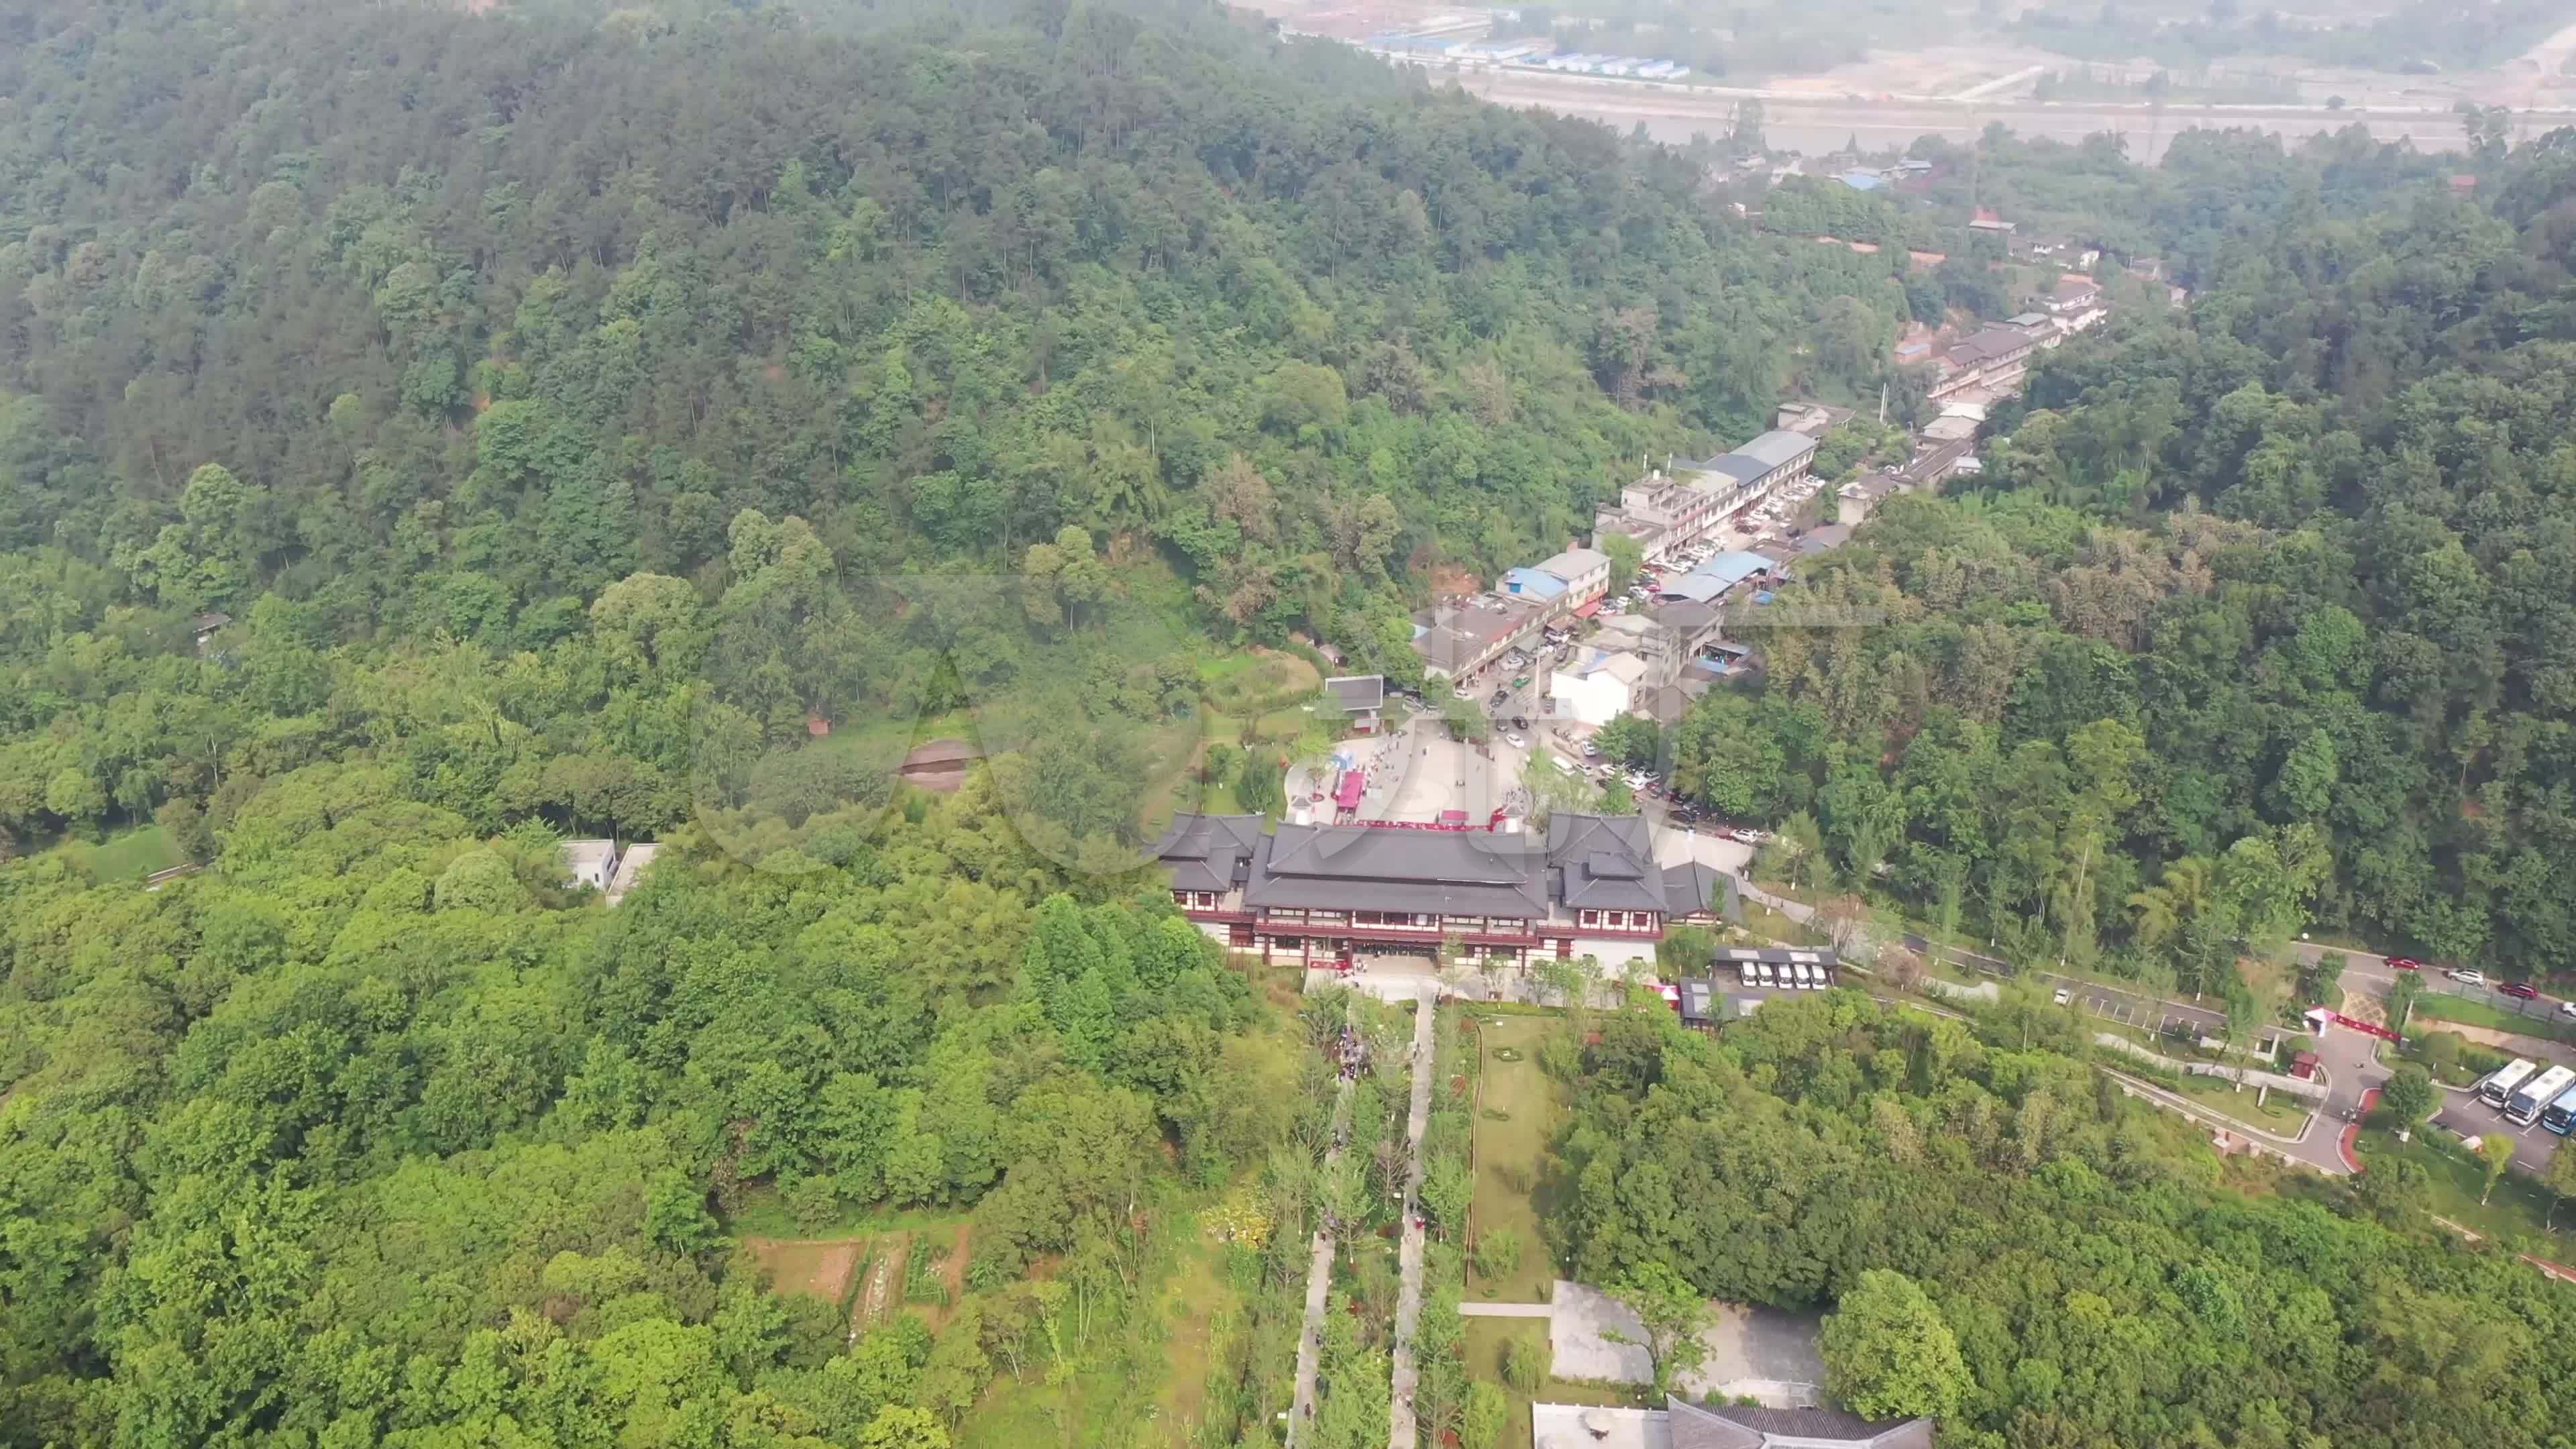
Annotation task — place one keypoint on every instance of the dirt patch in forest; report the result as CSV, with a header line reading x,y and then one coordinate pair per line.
x,y
883,1291
816,1267
951,1274
939,764
1450,579
955,1273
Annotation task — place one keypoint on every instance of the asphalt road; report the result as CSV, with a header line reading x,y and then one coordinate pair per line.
x,y
1818,123
2374,972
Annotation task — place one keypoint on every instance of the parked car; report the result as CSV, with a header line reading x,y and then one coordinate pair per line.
x,y
2064,996
2567,1008
2468,978
1517,742
2522,989
1591,751
2404,963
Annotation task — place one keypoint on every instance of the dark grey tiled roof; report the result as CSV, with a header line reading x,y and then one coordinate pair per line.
x,y
1692,886
1730,1427
1368,868
1696,1428
1209,852
1604,862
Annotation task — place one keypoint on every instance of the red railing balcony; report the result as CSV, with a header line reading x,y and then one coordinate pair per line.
x,y
1400,933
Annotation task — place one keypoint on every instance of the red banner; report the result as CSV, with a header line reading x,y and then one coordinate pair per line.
x,y
2364,1027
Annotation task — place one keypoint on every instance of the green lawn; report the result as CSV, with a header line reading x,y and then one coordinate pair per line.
x,y
1187,789
1246,682
1485,1340
1770,925
2461,1064
2519,1208
1516,1116
1803,895
2475,1011
132,854
2282,1114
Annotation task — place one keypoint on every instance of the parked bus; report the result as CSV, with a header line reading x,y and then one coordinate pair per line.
x,y
2500,1084
2560,1115
2539,1092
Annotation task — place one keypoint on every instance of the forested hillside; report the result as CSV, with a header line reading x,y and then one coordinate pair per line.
x,y
526,400
2259,615
424,436
2014,1249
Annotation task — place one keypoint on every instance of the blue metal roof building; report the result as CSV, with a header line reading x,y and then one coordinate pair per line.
x,y
1530,583
1733,568
1715,576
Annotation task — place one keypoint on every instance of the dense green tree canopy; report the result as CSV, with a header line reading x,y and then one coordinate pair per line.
x,y
2011,1244
2247,624
427,435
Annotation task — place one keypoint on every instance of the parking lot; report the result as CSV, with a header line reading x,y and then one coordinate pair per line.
x,y
2464,1114
2135,1009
